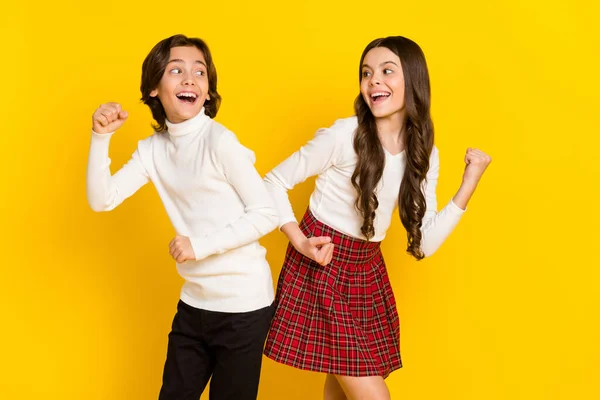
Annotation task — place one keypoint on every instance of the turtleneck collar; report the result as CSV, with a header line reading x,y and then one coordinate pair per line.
x,y
193,124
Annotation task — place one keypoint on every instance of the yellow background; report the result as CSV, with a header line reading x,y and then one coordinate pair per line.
x,y
508,307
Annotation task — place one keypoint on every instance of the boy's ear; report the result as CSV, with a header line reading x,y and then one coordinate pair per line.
x,y
154,93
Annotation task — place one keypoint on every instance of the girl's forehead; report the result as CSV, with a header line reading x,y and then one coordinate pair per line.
x,y
381,54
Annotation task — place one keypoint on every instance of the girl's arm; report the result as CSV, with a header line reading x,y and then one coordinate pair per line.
x,y
317,248
316,156
437,226
476,163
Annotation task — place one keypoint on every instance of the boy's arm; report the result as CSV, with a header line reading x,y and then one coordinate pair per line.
x,y
105,192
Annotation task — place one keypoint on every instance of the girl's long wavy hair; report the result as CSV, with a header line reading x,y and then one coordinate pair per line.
x,y
418,144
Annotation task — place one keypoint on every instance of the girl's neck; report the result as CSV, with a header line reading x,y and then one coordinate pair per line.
x,y
390,131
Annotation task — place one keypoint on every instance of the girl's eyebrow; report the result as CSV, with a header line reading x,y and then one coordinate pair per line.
x,y
383,63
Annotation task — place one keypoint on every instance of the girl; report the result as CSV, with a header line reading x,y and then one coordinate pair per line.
x,y
336,312
219,207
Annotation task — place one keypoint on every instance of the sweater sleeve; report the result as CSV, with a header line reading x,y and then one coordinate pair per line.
x,y
436,226
106,191
259,218
313,158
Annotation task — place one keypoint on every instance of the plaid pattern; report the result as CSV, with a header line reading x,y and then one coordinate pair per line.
x,y
340,319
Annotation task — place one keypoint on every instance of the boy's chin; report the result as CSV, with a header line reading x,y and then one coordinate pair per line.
x,y
184,115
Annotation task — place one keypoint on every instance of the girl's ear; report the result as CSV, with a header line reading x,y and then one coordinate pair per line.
x,y
154,93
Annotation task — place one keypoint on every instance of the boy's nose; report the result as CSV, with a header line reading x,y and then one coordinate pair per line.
x,y
187,80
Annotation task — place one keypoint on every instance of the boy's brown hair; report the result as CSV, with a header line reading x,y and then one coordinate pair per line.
x,y
153,70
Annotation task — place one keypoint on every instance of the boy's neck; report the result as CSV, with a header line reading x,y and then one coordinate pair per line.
x,y
188,126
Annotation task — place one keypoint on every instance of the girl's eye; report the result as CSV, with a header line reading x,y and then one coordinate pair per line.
x,y
199,73
175,71
366,74
387,71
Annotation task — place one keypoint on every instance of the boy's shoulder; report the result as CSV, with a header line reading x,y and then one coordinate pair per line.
x,y
146,143
216,131
218,135
221,140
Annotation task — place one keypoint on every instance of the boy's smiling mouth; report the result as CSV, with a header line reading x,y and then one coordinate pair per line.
x,y
187,97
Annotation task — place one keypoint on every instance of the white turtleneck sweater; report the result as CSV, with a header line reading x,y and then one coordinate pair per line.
x,y
213,194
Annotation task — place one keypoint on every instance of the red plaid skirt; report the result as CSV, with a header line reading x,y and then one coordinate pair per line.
x,y
339,319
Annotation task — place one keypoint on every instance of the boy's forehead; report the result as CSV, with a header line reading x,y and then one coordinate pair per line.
x,y
187,53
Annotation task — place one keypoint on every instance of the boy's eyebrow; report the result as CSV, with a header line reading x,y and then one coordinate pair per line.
x,y
383,63
180,60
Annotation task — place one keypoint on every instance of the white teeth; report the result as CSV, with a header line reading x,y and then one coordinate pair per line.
x,y
379,94
187,95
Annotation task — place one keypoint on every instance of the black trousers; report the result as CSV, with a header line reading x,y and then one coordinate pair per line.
x,y
223,347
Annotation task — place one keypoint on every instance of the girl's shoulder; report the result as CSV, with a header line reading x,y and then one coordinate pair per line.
x,y
345,126
342,131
